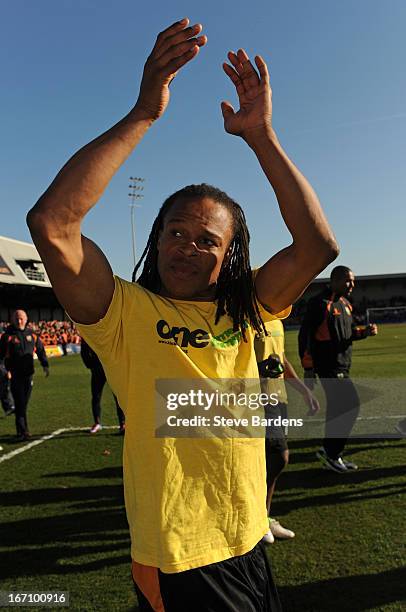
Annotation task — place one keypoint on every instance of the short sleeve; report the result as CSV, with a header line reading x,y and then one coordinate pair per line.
x,y
266,315
104,337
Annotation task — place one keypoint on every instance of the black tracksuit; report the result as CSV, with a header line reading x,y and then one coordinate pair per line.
x,y
17,348
325,344
98,380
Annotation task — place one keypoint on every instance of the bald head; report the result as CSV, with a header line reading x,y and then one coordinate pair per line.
x,y
19,319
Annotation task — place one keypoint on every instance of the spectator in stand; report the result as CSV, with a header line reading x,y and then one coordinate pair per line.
x,y
63,340
53,333
17,347
98,380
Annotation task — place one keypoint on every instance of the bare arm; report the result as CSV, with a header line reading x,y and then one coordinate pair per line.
x,y
284,277
80,273
298,384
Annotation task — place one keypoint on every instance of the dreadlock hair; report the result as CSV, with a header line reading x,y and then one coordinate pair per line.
x,y
235,292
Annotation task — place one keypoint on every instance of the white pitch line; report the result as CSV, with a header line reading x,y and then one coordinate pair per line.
x,y
55,433
370,418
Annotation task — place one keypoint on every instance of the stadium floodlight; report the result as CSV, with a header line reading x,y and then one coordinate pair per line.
x,y
134,194
387,314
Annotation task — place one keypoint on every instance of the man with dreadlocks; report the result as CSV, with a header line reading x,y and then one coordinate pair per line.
x,y
195,509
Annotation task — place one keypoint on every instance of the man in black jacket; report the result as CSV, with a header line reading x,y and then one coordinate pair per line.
x,y
325,348
17,347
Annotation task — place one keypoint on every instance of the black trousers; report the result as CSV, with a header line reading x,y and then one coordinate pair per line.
x,y
6,398
342,410
239,584
21,387
97,383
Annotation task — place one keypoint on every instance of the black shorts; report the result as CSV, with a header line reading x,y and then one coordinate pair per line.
x,y
239,584
275,436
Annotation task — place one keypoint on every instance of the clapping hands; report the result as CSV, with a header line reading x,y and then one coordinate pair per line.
x,y
178,45
174,47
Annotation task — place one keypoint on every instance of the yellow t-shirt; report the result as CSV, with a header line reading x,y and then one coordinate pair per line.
x,y
189,502
272,345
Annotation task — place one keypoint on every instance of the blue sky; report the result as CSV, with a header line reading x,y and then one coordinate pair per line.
x,y
71,69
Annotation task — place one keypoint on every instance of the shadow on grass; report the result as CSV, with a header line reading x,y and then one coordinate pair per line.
x,y
64,494
362,442
92,538
107,472
293,483
355,593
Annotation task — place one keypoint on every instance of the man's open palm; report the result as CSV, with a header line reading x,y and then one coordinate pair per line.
x,y
254,94
174,47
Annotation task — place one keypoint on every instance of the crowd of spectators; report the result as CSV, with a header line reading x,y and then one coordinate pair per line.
x,y
52,333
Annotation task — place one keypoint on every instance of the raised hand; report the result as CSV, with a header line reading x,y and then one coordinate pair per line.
x,y
372,329
174,48
254,94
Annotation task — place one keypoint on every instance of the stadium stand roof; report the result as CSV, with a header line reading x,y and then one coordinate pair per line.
x,y
20,264
367,277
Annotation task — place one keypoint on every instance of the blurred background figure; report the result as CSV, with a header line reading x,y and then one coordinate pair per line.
x,y
325,348
6,398
273,368
97,382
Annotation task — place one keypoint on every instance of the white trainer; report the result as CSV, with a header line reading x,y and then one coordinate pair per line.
x,y
278,531
96,427
268,538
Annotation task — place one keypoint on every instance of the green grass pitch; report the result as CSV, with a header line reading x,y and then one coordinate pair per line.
x,y
63,524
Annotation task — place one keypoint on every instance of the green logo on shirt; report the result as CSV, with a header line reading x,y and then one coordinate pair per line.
x,y
228,338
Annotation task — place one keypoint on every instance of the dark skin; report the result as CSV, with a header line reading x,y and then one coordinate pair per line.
x,y
343,285
80,273
192,246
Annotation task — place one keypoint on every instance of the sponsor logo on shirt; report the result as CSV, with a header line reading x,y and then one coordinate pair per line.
x,y
182,336
197,338
228,338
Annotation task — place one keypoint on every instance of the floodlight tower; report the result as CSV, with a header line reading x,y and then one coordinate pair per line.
x,y
134,194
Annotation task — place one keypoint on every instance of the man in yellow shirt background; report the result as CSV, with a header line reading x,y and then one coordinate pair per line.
x,y
274,367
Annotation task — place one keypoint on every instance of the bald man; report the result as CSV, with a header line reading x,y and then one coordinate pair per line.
x,y
17,347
